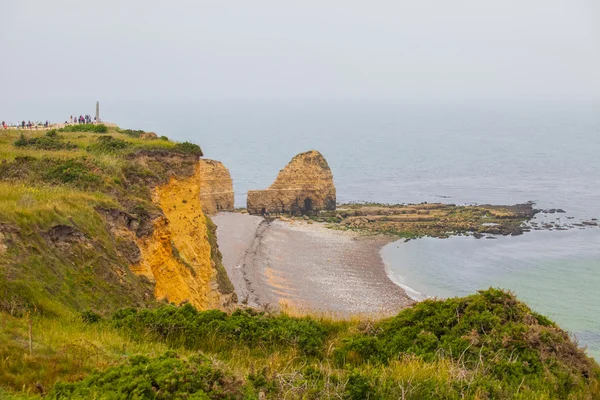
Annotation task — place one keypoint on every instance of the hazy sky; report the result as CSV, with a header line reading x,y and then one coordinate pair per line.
x,y
143,50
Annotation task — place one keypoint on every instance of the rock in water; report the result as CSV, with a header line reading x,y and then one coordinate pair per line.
x,y
216,187
303,187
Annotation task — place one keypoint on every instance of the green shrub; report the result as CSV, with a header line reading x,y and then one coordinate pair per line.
x,y
131,132
164,138
164,377
107,144
90,317
71,171
21,141
51,141
358,388
492,325
190,148
185,326
100,128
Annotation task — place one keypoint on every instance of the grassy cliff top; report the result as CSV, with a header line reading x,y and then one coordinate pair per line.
x,y
82,140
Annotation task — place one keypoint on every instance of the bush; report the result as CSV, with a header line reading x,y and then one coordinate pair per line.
x,y
492,325
107,144
189,148
101,128
185,326
71,171
90,317
164,377
51,141
131,132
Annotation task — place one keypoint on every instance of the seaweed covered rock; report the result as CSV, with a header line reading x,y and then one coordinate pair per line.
x,y
304,186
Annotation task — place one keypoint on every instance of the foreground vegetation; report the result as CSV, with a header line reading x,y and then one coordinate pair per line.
x,y
484,346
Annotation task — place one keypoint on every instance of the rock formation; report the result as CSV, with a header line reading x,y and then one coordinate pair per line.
x,y
303,187
216,187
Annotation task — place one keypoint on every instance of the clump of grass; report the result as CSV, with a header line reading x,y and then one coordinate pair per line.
x,y
131,132
100,128
107,144
189,148
165,377
72,171
51,141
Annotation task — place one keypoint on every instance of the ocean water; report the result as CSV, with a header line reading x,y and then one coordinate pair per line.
x,y
462,154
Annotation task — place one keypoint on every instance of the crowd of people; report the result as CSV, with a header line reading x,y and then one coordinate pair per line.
x,y
83,119
26,125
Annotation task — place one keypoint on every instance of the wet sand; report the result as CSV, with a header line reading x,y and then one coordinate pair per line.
x,y
306,266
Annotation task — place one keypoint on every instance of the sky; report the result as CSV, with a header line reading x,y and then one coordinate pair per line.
x,y
68,51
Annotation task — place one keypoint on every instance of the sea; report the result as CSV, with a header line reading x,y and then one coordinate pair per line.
x,y
459,153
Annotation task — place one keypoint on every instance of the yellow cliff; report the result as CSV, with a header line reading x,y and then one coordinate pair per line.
x,y
177,255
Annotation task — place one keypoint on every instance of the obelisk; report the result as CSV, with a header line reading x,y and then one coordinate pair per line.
x,y
97,111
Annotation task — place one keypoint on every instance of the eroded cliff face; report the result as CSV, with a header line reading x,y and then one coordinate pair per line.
x,y
216,187
304,186
177,255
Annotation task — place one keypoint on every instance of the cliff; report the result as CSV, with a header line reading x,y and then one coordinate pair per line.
x,y
102,221
216,188
304,186
176,256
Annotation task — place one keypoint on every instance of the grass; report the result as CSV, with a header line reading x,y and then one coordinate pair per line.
x,y
40,207
64,349
54,273
484,346
80,139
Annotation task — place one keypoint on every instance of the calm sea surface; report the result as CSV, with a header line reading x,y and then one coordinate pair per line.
x,y
452,154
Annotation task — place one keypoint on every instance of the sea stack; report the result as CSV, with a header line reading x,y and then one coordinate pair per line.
x,y
303,187
216,187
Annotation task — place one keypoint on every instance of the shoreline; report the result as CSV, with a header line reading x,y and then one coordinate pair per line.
x,y
413,294
307,267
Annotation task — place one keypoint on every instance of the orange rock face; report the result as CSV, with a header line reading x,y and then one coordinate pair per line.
x,y
177,256
216,187
304,186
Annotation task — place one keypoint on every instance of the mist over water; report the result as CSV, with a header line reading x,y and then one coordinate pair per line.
x,y
451,154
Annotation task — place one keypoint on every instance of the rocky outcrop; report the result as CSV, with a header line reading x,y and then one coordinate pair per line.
x,y
216,187
304,186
